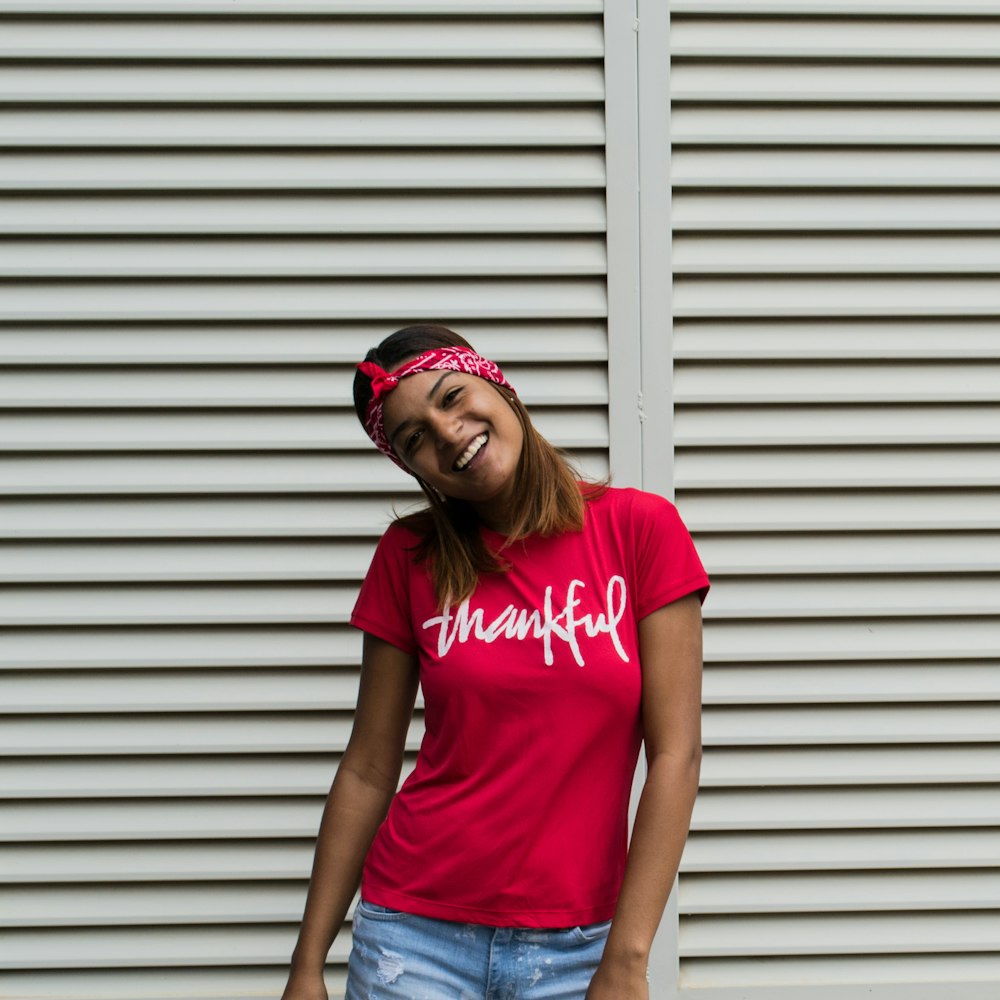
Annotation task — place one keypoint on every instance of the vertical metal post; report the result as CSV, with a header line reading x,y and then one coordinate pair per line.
x,y
637,154
621,146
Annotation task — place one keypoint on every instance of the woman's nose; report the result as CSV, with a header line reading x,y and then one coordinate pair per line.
x,y
447,429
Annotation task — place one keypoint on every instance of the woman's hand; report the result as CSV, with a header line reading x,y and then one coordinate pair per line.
x,y
305,986
618,984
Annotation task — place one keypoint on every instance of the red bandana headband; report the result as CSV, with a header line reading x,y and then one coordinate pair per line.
x,y
456,359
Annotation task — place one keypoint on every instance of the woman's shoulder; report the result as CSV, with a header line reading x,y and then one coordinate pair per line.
x,y
400,536
627,499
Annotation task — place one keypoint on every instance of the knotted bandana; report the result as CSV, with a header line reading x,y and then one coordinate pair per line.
x,y
456,359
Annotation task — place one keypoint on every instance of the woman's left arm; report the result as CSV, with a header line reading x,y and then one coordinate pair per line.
x,y
670,652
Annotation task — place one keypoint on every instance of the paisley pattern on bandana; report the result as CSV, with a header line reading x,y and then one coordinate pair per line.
x,y
456,359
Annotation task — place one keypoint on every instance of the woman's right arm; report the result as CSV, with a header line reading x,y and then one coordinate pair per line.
x,y
359,798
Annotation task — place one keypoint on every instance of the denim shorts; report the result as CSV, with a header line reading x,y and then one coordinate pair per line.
x,y
398,956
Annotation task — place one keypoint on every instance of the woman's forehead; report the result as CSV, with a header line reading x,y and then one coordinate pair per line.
x,y
417,391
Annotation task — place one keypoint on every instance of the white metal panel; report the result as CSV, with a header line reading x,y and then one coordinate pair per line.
x,y
841,891
841,850
334,214
242,982
837,418
255,343
71,863
307,170
121,693
208,212
372,83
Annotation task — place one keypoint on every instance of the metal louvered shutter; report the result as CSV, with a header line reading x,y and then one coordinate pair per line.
x,y
208,211
836,380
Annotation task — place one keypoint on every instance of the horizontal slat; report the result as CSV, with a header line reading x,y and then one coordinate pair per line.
x,y
861,639
867,8
895,296
823,425
314,732
813,892
245,646
290,689
191,647
886,38
863,125
234,983
847,808
766,255
177,561
822,596
275,344
812,851
759,554
817,339
282,8
707,167
328,84
134,947
121,693
200,517
834,211
838,382
316,128
832,934
321,39
255,818
305,170
184,604
208,862
851,683
791,468
763,555
841,509
827,725
301,258
168,735
105,475
330,601
337,213
800,81
319,387
834,765
155,905
297,300
928,976
211,431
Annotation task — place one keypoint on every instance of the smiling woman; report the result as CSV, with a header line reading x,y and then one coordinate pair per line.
x,y
451,419
554,626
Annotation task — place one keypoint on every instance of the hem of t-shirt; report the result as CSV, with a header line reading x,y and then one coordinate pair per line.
x,y
698,583
436,910
378,629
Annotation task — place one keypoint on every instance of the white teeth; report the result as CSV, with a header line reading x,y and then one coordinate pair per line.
x,y
470,453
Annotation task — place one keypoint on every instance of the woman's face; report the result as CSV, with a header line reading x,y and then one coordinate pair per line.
x,y
458,434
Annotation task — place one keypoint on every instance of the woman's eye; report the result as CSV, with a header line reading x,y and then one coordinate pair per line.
x,y
411,441
449,396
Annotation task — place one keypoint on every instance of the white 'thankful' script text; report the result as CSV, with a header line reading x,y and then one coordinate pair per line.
x,y
546,624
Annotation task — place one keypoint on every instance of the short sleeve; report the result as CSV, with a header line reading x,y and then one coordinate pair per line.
x,y
667,564
383,606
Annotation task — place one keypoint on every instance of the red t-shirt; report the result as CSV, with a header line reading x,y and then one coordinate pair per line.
x,y
516,813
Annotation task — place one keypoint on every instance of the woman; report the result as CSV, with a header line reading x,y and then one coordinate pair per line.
x,y
553,626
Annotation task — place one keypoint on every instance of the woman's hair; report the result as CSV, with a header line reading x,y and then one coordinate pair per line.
x,y
548,497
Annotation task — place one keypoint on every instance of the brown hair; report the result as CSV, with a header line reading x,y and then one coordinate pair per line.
x,y
548,496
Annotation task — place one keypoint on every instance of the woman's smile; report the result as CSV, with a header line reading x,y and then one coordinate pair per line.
x,y
472,452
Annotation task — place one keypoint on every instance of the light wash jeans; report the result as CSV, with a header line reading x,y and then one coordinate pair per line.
x,y
398,956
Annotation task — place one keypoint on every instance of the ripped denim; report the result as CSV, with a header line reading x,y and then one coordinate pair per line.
x,y
398,956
